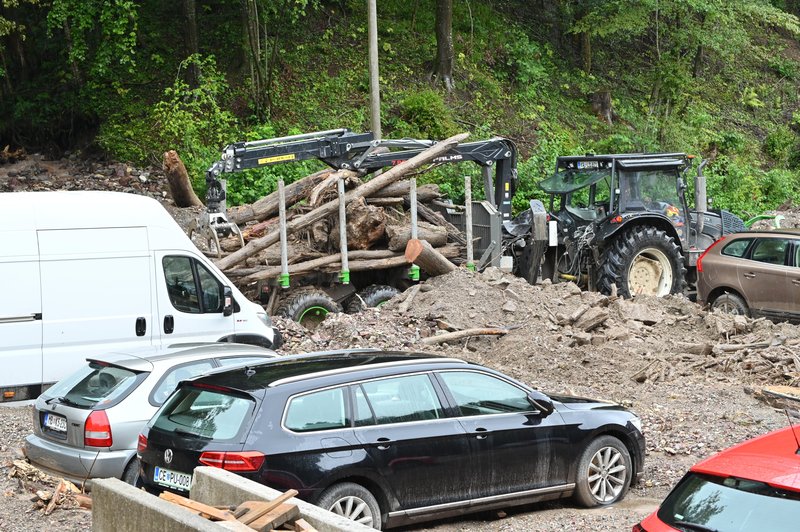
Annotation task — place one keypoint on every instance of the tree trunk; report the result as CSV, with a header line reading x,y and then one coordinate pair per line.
x,y
191,39
443,64
365,190
431,261
425,193
268,205
586,51
399,235
180,186
366,225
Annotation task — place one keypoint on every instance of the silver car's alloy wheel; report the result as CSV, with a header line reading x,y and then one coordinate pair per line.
x,y
353,508
607,474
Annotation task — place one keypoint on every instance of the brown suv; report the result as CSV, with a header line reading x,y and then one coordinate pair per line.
x,y
754,273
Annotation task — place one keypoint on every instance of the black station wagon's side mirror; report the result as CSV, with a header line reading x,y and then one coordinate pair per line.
x,y
541,402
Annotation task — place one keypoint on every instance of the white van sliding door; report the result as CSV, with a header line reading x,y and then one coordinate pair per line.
x,y
96,294
190,300
20,310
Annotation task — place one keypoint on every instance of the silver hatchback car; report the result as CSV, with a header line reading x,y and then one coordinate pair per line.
x,y
87,425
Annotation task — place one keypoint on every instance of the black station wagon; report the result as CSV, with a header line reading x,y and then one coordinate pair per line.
x,y
388,439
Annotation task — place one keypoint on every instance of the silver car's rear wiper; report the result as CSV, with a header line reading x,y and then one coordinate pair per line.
x,y
62,400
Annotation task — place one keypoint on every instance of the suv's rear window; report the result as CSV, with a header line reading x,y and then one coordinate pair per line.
x,y
203,413
737,248
95,386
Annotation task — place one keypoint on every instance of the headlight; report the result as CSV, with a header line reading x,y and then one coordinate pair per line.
x,y
636,422
264,318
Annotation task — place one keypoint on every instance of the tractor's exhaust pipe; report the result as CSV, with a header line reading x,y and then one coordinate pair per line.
x,y
700,197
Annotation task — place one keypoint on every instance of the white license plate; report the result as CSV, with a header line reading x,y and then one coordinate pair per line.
x,y
54,422
172,479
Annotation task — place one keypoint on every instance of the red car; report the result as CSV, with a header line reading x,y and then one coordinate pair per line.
x,y
754,485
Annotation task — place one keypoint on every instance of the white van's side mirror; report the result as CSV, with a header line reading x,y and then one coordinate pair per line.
x,y
227,293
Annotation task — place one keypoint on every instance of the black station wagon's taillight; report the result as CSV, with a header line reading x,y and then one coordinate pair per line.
x,y
234,461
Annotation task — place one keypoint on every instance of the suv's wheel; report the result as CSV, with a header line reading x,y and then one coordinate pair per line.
x,y
354,502
604,472
642,260
372,296
731,304
308,307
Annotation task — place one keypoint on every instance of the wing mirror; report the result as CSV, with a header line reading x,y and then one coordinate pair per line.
x,y
543,403
227,293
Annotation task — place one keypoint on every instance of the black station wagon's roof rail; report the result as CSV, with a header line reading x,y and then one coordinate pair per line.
x,y
325,373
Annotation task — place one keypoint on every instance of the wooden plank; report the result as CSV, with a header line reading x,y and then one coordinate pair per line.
x,y
276,517
204,510
301,525
267,506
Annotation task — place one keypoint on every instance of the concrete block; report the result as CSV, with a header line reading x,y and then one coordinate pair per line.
x,y
119,507
217,487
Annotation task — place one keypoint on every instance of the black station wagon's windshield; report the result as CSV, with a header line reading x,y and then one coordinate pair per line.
x,y
730,505
203,413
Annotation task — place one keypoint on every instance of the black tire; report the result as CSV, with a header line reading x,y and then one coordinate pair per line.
x,y
131,473
372,296
604,473
731,304
308,307
354,502
628,263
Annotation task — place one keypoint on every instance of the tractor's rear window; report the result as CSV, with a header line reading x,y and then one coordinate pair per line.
x,y
203,413
570,180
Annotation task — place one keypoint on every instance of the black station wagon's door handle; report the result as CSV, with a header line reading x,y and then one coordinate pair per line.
x,y
481,433
383,443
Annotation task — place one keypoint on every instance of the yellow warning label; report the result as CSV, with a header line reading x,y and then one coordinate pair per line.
x,y
277,159
507,187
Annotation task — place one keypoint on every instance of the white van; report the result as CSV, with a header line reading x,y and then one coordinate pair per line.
x,y
84,273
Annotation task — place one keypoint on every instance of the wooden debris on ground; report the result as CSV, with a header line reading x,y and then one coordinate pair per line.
x,y
65,495
265,516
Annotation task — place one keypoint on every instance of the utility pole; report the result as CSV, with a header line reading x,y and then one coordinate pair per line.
x,y
374,83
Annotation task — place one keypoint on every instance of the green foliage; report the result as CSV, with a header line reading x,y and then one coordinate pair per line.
x,y
424,114
780,143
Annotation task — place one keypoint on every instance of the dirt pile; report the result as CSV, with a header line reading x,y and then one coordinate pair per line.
x,y
558,328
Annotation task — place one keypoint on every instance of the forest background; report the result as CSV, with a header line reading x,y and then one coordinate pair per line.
x,y
129,80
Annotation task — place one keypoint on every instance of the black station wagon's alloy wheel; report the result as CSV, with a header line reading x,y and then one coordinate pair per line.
x,y
372,296
604,472
642,260
354,502
731,304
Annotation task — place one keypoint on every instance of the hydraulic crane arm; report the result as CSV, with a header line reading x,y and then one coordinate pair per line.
x,y
343,149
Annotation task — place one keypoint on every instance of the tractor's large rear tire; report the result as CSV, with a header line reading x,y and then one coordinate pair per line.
x,y
642,260
308,307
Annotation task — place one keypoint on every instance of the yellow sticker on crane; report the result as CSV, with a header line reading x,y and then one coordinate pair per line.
x,y
277,159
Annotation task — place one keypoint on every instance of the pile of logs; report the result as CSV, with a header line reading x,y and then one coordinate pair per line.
x,y
378,229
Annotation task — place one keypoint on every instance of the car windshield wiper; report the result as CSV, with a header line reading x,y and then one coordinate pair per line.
x,y
694,526
62,400
192,434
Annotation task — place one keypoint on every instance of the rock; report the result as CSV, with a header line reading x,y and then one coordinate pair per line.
x,y
509,306
639,312
598,339
591,319
572,289
618,333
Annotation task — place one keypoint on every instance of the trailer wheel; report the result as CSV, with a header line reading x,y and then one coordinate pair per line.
x,y
642,260
308,307
372,296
